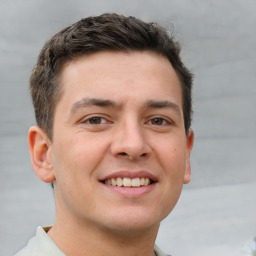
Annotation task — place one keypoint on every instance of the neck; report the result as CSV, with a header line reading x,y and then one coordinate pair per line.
x,y
85,240
80,236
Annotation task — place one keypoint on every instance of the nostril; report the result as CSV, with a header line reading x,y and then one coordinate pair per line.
x,y
125,154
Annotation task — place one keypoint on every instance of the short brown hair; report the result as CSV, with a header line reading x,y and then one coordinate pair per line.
x,y
93,34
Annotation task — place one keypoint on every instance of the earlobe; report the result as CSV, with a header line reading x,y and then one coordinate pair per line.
x,y
190,142
40,154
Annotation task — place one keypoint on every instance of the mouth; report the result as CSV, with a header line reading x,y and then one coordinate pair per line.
x,y
128,182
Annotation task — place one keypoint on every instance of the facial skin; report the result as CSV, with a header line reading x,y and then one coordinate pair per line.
x,y
120,115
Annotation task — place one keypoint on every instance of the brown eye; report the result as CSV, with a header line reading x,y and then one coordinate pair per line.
x,y
157,121
95,120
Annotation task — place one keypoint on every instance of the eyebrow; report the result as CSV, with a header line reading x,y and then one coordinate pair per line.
x,y
87,102
162,104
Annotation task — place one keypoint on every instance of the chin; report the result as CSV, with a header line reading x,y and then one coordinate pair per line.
x,y
134,222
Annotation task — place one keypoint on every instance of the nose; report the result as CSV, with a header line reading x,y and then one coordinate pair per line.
x,y
130,142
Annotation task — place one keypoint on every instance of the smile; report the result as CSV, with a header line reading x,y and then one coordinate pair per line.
x,y
128,182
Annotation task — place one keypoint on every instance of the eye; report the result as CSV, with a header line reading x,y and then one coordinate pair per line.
x,y
158,121
95,120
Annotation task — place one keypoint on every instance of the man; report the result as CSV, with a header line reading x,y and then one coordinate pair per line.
x,y
112,102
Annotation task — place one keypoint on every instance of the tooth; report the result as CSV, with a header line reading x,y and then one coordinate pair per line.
x,y
136,182
113,180
119,182
127,182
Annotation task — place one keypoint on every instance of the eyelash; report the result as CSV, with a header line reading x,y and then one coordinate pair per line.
x,y
95,118
163,121
99,120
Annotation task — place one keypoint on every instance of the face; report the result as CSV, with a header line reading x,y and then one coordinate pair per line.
x,y
119,152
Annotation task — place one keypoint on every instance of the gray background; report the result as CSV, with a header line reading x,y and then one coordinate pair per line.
x,y
216,214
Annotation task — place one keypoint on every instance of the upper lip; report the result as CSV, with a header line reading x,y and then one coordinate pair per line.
x,y
131,175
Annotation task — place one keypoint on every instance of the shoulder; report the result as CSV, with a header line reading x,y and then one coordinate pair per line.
x,y
159,252
29,249
249,248
40,245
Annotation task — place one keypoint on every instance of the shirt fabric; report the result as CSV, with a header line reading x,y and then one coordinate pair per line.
x,y
249,248
42,245
254,246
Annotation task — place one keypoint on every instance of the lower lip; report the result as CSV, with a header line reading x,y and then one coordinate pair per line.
x,y
131,192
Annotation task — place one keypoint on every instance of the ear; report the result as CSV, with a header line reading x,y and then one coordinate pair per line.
x,y
190,142
40,153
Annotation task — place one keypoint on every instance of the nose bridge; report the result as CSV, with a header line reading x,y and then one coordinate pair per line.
x,y
130,139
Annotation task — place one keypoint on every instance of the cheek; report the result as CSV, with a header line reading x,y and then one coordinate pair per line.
x,y
74,165
79,156
172,154
89,151
173,161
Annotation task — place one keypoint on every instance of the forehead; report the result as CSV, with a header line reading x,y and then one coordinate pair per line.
x,y
120,76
